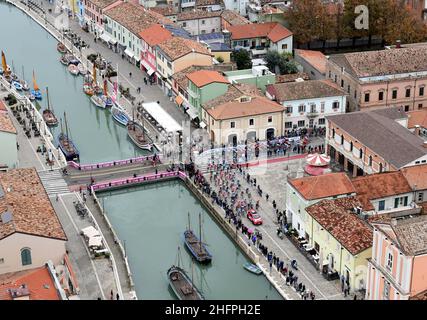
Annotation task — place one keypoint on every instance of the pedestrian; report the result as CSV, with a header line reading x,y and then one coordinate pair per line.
x,y
111,295
117,296
266,196
130,74
57,197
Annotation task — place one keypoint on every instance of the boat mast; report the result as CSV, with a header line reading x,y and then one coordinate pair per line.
x,y
189,220
200,230
47,95
23,76
66,125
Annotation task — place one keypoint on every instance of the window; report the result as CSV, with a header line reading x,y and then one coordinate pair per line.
x,y
342,83
342,139
348,88
232,124
386,293
251,122
203,21
351,146
381,95
406,108
284,46
203,31
389,261
213,122
289,109
322,122
355,94
270,119
301,123
313,108
381,167
381,205
26,256
370,161
408,92
335,105
335,79
1,260
322,107
420,197
333,133
420,106
301,108
184,24
367,97
400,201
421,91
394,94
288,125
360,153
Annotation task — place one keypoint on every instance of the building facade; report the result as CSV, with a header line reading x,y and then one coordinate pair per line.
x,y
8,140
258,76
94,11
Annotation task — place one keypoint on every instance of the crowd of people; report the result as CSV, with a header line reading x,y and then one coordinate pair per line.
x,y
224,186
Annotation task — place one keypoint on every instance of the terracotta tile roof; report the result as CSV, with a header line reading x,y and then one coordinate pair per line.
x,y
420,296
181,76
416,176
315,58
233,18
236,109
155,35
135,17
197,14
203,77
304,90
27,201
2,106
323,186
411,235
336,217
418,117
177,47
234,91
272,30
383,62
384,136
291,77
102,3
38,282
268,9
6,124
169,10
380,185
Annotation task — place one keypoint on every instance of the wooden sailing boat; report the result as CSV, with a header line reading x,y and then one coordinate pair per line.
x,y
181,284
5,68
108,102
66,144
96,88
195,245
48,115
136,133
36,91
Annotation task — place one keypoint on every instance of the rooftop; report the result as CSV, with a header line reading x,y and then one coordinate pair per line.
x,y
202,78
384,136
304,90
181,76
336,217
416,176
323,186
27,201
272,30
291,77
234,91
155,35
177,47
6,124
197,14
418,117
315,58
102,3
38,284
168,10
380,185
233,18
383,62
135,17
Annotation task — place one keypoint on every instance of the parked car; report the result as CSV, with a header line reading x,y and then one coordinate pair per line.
x,y
254,217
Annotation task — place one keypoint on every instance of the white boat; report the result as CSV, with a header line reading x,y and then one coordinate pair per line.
x,y
119,115
17,85
24,85
97,101
73,70
82,69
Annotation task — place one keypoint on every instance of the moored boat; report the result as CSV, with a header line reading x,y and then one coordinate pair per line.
x,y
97,101
73,69
252,268
24,85
67,145
64,60
119,115
17,85
36,91
88,89
73,60
61,47
137,135
82,69
195,245
5,70
31,97
48,115
182,285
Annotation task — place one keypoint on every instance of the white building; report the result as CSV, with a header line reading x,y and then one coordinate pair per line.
x,y
307,102
199,22
8,136
239,6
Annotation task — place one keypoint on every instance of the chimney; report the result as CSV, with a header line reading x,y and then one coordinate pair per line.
x,y
417,130
398,45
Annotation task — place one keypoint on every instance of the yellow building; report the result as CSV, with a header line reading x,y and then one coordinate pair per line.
x,y
340,242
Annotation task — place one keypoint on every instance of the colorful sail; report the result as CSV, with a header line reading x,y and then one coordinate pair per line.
x,y
36,88
4,64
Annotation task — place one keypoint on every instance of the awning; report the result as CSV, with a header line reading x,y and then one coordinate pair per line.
x,y
112,41
179,100
90,232
192,113
202,124
129,52
137,58
147,67
150,72
95,241
105,37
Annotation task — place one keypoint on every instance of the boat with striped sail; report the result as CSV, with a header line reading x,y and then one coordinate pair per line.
x,y
195,245
36,91
48,115
181,284
66,144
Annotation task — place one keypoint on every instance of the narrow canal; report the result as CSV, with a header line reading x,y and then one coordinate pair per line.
x,y
150,221
26,44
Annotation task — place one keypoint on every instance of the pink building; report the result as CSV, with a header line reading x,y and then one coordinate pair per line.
x,y
94,10
397,269
150,38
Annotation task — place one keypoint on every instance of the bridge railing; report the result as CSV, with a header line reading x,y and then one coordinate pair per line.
x,y
140,179
109,164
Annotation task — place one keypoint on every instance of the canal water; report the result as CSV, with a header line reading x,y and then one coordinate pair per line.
x,y
97,136
150,221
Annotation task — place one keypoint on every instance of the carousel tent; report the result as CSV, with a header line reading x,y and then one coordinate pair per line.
x,y
318,160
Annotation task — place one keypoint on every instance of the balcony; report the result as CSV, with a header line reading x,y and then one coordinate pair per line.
x,y
312,114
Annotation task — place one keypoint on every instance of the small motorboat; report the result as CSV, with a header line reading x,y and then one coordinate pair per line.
x,y
17,85
64,60
31,97
73,69
97,89
24,85
87,88
88,78
119,115
252,268
82,69
61,47
73,60
108,102
37,94
97,101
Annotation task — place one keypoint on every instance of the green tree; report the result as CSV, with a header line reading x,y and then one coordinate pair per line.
x,y
242,59
280,63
